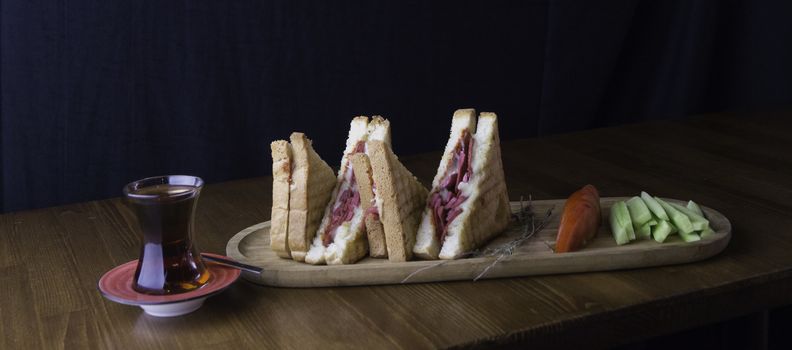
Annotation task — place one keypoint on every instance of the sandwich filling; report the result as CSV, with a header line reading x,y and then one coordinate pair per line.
x,y
376,203
347,201
292,165
447,199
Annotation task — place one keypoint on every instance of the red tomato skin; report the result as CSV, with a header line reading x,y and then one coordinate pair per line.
x,y
580,220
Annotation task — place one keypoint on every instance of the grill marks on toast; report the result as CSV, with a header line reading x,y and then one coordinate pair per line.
x,y
488,209
351,245
485,211
301,186
402,224
374,230
427,242
403,198
313,182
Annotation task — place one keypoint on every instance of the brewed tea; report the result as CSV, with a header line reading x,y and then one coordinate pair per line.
x,y
169,261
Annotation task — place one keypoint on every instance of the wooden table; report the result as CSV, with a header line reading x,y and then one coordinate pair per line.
x,y
51,259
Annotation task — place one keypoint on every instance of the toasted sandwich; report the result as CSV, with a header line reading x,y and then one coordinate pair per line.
x,y
301,187
399,198
341,237
378,129
468,204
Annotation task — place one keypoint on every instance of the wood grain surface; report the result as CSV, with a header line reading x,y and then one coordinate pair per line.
x,y
534,257
51,259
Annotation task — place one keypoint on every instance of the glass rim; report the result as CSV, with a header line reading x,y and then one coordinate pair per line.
x,y
184,180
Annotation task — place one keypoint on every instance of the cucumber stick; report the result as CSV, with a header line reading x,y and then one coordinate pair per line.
x,y
643,232
647,217
620,222
661,231
674,229
640,216
707,231
695,208
681,221
655,207
698,222
639,213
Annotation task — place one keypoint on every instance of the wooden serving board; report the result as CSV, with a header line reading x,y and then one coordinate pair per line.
x,y
534,257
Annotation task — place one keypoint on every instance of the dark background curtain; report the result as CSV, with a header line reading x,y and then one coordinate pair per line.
x,y
94,94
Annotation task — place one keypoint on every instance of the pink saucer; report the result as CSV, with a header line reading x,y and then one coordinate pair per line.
x,y
116,285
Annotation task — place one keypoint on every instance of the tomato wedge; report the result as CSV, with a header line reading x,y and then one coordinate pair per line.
x,y
580,220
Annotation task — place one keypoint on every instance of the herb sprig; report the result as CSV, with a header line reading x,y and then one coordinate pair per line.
x,y
530,226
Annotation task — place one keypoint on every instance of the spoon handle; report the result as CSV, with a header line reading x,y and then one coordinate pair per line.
x,y
230,263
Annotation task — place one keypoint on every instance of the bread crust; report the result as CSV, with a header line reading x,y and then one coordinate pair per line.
x,y
379,129
486,211
357,247
427,244
312,185
374,230
281,178
403,198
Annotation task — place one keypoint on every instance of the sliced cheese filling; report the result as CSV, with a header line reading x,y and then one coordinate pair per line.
x,y
346,204
446,200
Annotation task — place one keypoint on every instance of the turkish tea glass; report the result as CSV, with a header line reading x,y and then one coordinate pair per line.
x,y
169,261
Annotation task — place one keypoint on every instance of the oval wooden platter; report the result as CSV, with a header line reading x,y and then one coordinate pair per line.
x,y
534,257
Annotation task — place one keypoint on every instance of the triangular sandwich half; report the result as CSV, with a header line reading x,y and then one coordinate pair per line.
x,y
401,199
301,187
378,129
341,237
469,203
311,187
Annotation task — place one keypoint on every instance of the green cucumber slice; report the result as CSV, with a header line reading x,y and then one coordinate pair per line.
x,y
707,232
620,223
661,231
690,237
655,207
680,220
644,232
695,208
639,213
698,222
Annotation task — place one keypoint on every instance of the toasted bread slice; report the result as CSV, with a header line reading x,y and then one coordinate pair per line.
x,y
427,245
374,231
378,129
344,244
312,184
485,209
486,212
281,179
403,199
